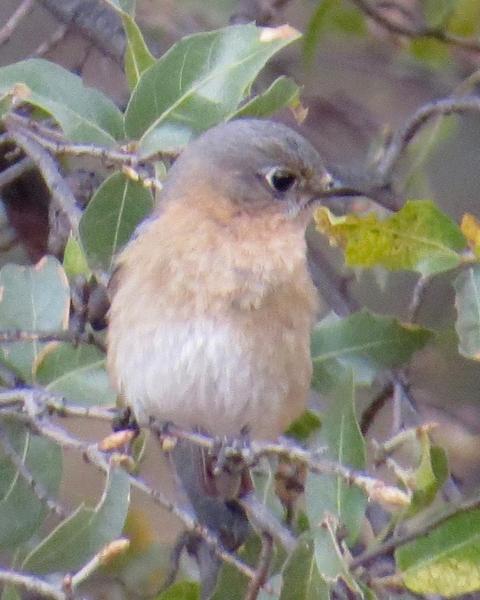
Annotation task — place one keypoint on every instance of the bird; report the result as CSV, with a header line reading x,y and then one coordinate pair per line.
x,y
212,302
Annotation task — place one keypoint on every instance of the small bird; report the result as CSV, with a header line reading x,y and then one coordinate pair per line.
x,y
212,301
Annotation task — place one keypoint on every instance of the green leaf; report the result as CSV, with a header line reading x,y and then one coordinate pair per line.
x,y
86,531
231,583
303,427
436,12
316,25
340,434
465,20
183,590
198,83
364,342
329,558
111,217
10,593
301,578
74,260
419,237
434,53
348,20
21,511
467,302
84,114
447,560
138,57
77,373
32,299
283,92
275,584
429,476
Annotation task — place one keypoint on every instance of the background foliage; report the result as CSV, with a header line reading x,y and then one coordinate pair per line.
x,y
384,514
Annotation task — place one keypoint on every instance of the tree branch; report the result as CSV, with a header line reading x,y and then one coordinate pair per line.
x,y
12,23
61,193
435,33
263,567
376,490
31,584
403,136
32,411
400,540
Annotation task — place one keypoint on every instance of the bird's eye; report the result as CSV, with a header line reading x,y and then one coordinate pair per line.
x,y
281,180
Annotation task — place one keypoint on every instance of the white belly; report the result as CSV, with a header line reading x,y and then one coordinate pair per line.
x,y
202,373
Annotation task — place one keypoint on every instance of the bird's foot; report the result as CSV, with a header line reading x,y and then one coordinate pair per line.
x,y
125,420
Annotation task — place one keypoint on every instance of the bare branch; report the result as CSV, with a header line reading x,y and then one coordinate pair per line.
x,y
27,400
21,12
56,37
418,296
376,490
435,33
31,584
263,566
400,540
15,171
37,402
54,142
61,193
101,559
422,116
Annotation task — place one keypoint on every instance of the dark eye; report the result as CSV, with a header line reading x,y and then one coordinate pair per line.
x,y
281,180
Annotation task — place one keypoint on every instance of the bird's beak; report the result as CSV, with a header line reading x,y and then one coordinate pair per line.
x,y
327,188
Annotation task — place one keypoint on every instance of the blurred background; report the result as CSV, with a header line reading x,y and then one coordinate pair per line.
x,y
360,83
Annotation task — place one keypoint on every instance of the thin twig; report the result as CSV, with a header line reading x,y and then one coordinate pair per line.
x,y
375,489
15,171
397,28
99,460
418,296
56,37
10,337
400,540
21,12
55,142
31,584
369,414
61,193
101,559
41,401
403,136
263,567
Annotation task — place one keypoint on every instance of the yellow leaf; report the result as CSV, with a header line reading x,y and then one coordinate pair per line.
x,y
470,227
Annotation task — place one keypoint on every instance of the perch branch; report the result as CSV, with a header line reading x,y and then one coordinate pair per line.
x,y
31,410
375,489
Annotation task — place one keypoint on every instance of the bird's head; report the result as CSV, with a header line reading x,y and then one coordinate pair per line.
x,y
256,166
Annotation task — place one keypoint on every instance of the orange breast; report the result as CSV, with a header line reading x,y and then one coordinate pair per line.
x,y
210,322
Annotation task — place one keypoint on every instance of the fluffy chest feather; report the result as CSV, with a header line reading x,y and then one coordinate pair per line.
x,y
214,375
213,334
